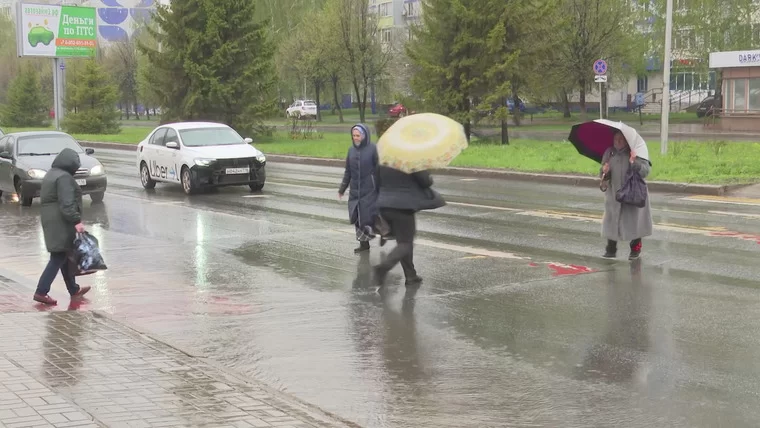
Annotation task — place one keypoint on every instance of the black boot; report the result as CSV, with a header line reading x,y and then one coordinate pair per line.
x,y
363,246
611,250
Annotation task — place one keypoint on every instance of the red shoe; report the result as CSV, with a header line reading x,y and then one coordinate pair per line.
x,y
45,299
82,291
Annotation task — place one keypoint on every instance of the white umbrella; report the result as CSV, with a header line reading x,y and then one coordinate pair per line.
x,y
635,142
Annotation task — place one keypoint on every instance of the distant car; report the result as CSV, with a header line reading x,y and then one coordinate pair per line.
x,y
302,108
199,155
397,110
705,107
25,158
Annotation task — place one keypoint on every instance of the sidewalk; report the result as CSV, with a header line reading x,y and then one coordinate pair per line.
x,y
67,369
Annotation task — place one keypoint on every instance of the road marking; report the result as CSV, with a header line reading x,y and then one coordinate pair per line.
x,y
730,213
724,200
474,257
256,196
490,207
469,179
458,248
300,186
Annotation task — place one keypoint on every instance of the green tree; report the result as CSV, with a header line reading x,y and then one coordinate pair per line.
x,y
95,97
121,60
26,106
214,62
366,56
447,52
704,26
8,57
592,30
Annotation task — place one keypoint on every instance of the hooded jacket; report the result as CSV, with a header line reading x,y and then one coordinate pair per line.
x,y
61,200
361,177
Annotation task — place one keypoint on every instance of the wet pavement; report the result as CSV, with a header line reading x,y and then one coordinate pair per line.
x,y
519,321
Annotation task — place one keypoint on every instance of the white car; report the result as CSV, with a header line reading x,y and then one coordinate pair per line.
x,y
200,155
302,108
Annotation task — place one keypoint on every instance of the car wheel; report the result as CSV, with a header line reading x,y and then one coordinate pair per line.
x,y
145,179
97,197
187,181
256,187
402,114
26,201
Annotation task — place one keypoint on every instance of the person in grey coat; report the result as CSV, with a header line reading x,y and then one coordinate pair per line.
x,y
402,195
623,222
361,177
61,217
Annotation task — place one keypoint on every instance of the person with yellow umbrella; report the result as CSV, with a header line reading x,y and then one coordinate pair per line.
x,y
408,150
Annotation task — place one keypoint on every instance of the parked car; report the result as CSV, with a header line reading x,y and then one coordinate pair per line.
x,y
25,158
397,110
302,108
705,107
199,155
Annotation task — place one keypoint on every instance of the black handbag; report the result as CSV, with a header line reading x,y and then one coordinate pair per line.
x,y
634,190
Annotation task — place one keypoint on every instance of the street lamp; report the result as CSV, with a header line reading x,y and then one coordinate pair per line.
x,y
666,78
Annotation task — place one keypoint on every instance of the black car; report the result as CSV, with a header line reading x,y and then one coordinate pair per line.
x,y
25,158
705,108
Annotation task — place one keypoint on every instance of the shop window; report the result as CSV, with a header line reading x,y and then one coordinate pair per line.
x,y
740,95
754,95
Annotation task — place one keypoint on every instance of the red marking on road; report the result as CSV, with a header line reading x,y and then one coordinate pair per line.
x,y
560,269
532,265
743,236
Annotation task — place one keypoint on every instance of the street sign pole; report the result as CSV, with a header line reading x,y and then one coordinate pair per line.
x,y
56,94
600,71
666,78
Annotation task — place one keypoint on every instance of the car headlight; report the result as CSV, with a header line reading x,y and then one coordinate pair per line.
x,y
203,162
261,158
37,174
97,170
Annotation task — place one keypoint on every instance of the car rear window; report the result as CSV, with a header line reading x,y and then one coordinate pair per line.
x,y
310,103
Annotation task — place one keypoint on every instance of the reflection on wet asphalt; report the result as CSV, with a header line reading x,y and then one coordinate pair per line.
x,y
519,322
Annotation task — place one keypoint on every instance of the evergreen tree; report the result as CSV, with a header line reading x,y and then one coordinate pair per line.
x,y
92,102
448,51
214,62
26,106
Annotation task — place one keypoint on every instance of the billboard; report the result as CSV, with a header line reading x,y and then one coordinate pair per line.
x,y
56,31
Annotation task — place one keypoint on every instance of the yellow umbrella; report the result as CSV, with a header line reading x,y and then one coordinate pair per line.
x,y
420,142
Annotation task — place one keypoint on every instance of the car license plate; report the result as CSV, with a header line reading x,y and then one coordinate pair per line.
x,y
82,182
238,171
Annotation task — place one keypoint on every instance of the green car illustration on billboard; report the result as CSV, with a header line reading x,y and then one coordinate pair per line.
x,y
40,34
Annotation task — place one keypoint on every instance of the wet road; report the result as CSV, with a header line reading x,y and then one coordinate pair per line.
x,y
519,321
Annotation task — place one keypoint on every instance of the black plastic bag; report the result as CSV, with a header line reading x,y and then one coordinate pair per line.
x,y
86,256
634,190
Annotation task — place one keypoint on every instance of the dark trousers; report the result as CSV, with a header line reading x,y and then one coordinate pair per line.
x,y
404,227
612,245
58,261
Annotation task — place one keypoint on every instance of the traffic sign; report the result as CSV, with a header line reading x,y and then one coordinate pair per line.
x,y
62,66
600,67
600,79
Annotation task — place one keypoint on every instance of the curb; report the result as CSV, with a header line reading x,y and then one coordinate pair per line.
x,y
499,174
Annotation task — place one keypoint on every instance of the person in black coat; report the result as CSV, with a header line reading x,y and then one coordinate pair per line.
x,y
401,196
361,176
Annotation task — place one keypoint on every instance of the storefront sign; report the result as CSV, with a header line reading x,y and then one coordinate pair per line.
x,y
735,59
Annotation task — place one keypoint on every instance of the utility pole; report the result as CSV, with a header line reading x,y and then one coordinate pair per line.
x,y
666,78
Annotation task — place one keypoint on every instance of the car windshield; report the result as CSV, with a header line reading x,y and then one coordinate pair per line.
x,y
42,145
210,137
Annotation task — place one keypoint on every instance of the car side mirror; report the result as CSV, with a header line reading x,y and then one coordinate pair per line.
x,y
248,140
172,145
89,151
6,155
